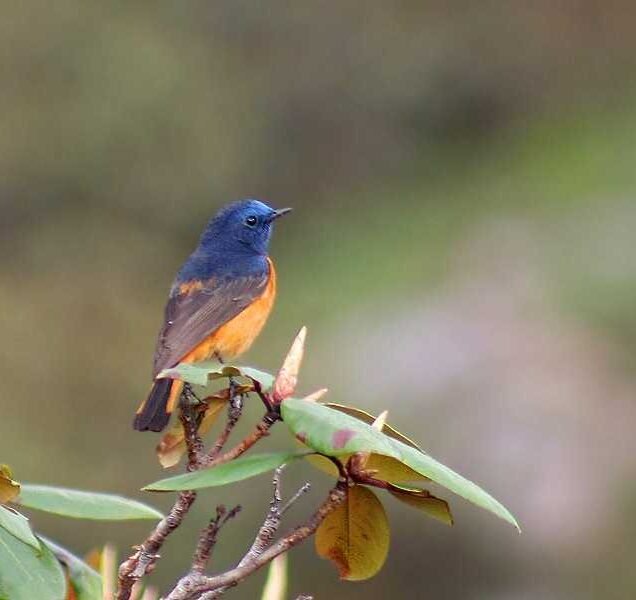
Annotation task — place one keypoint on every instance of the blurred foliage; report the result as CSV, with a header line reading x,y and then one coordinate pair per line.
x,y
36,567
464,190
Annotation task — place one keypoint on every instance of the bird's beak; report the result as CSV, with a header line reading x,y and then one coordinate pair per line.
x,y
280,212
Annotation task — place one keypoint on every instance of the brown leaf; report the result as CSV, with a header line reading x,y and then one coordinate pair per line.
x,y
387,468
172,445
287,378
355,536
9,488
423,500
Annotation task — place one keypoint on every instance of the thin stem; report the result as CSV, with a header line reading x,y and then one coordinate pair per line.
x,y
260,431
269,528
206,588
208,537
359,474
190,419
143,560
300,492
265,399
146,555
234,413
271,523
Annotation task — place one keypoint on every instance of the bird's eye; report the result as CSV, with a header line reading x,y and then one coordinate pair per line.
x,y
251,221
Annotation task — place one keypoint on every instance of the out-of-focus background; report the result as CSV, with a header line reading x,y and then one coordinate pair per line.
x,y
462,251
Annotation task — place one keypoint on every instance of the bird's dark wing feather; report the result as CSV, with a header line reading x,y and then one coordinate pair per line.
x,y
190,317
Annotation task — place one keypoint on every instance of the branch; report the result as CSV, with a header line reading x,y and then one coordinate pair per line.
x,y
198,586
261,430
269,528
190,419
208,536
143,560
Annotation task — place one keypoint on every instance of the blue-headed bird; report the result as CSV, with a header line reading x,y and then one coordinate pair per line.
x,y
218,302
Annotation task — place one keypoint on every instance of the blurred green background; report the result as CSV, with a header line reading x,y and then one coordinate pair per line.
x,y
461,250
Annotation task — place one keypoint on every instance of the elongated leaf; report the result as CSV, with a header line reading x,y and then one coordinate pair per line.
x,y
172,445
86,583
276,584
236,470
202,372
355,536
330,432
424,501
29,574
18,526
368,418
9,489
386,468
444,476
84,505
265,379
391,469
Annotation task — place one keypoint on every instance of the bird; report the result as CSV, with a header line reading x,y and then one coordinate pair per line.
x,y
218,303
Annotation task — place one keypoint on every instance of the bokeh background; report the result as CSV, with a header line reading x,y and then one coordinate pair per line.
x,y
462,251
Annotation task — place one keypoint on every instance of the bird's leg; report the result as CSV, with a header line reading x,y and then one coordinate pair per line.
x,y
236,403
190,416
235,407
188,395
192,403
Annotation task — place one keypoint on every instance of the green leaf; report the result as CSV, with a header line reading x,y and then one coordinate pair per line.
x,y
202,372
236,470
18,526
84,505
331,432
336,434
437,472
265,379
86,582
368,418
28,574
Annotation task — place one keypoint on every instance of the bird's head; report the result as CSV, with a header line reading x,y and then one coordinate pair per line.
x,y
243,227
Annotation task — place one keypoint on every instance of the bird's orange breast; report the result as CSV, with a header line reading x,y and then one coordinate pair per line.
x,y
236,336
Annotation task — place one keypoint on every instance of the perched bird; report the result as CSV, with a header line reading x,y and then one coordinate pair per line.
x,y
218,303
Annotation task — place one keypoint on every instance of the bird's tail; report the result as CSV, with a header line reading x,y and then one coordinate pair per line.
x,y
154,413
